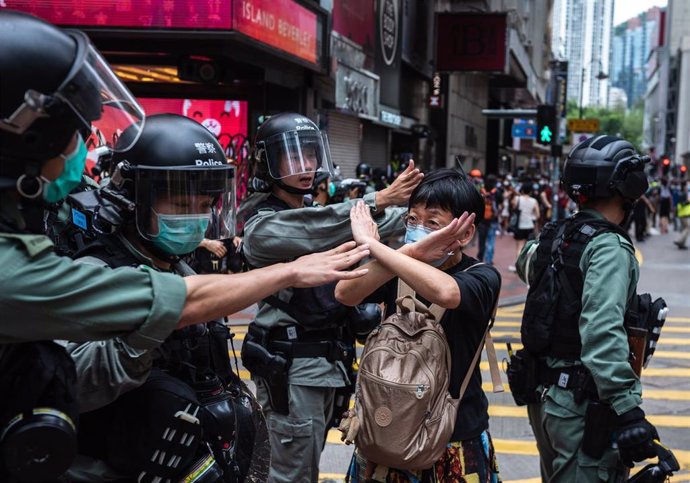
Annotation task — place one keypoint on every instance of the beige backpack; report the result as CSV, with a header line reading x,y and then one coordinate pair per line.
x,y
404,413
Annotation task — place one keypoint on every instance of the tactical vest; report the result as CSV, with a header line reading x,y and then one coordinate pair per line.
x,y
312,308
188,353
198,356
550,324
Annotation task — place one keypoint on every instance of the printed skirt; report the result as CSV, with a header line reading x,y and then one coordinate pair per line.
x,y
468,461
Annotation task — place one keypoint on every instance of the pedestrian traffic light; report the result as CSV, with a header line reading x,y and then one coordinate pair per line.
x,y
547,131
683,170
665,166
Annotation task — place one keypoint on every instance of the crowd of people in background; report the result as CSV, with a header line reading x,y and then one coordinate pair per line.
x,y
520,206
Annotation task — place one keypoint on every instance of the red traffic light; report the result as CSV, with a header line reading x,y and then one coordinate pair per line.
x,y
683,169
666,162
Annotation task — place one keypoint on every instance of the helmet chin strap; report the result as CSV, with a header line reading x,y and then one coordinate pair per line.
x,y
628,206
291,189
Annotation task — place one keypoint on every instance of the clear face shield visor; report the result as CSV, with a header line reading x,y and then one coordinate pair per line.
x,y
184,195
93,93
297,152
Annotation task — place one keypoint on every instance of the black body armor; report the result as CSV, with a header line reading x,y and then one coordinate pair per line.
x,y
554,301
232,424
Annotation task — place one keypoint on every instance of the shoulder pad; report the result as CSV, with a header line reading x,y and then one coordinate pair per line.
x,y
33,244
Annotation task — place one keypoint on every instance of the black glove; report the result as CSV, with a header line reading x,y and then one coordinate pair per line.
x,y
635,437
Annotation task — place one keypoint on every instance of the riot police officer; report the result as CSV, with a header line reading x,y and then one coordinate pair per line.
x,y
583,276
53,86
294,347
173,175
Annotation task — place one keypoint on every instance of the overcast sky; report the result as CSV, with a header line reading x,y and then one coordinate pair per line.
x,y
625,9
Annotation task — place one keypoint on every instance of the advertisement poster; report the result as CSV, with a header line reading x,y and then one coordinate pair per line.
x,y
224,119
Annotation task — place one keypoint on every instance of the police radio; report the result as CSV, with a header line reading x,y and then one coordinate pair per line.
x,y
101,211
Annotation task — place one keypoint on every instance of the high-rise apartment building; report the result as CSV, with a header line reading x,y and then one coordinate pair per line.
x,y
582,35
632,43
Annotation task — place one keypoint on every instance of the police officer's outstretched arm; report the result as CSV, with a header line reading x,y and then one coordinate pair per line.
x,y
273,236
213,296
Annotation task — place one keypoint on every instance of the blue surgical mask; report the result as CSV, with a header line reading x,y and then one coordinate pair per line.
x,y
331,188
180,234
414,233
54,191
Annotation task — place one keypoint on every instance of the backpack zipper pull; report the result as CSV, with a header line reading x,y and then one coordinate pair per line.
x,y
420,391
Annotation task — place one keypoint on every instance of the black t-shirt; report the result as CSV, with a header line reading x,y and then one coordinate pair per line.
x,y
464,328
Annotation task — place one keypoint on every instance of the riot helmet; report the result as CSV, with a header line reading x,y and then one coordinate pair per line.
x,y
290,144
363,171
53,84
602,167
178,176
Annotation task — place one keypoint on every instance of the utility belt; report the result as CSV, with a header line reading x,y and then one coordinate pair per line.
x,y
576,379
297,343
268,354
527,372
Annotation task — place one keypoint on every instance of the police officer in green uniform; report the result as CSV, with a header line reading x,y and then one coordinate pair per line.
x,y
54,85
585,409
174,175
294,346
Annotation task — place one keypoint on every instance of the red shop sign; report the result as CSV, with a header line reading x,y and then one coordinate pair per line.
x,y
282,24
149,14
469,42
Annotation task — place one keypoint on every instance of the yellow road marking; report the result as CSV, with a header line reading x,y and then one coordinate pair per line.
x,y
638,255
674,330
499,411
506,324
668,421
655,394
677,319
516,315
666,372
670,355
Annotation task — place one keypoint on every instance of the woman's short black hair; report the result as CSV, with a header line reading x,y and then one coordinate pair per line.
x,y
450,190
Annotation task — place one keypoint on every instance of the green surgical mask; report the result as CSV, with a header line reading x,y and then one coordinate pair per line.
x,y
180,234
54,191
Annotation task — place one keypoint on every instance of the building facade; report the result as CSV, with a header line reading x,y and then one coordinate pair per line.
x,y
582,35
511,73
666,120
632,44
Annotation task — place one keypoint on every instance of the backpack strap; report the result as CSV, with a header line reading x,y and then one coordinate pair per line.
x,y
491,355
437,311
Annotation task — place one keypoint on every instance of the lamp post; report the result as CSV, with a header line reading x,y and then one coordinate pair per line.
x,y
600,76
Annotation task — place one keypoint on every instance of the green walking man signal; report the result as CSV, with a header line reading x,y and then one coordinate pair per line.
x,y
546,123
545,135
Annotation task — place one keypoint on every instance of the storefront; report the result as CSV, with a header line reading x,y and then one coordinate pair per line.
x,y
253,56
352,137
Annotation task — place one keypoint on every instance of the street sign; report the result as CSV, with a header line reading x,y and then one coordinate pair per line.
x,y
436,102
583,125
524,129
